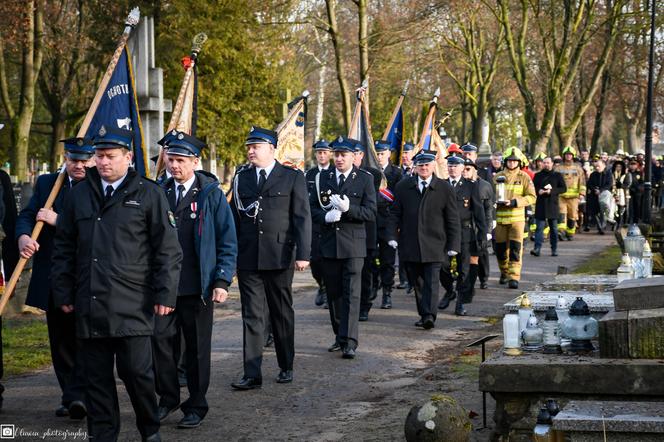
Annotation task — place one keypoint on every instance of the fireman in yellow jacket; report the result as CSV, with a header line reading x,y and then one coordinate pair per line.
x,y
514,192
575,180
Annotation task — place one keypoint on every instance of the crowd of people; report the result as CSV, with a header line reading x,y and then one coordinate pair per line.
x,y
128,270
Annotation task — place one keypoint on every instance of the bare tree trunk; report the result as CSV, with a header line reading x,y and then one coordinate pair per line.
x,y
633,139
363,38
320,103
599,114
333,30
31,60
56,152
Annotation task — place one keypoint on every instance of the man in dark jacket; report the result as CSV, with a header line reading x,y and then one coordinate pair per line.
x,y
370,271
61,326
483,267
345,200
384,200
206,232
472,221
426,223
322,151
273,226
116,264
548,186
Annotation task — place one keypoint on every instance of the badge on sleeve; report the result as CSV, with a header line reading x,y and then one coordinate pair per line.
x,y
171,218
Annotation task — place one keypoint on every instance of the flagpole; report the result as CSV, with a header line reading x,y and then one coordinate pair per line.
x,y
130,23
430,116
196,46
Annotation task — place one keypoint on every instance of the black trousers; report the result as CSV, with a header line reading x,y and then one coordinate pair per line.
x,y
65,353
194,316
424,279
463,269
387,257
484,269
316,265
133,358
343,282
370,281
275,287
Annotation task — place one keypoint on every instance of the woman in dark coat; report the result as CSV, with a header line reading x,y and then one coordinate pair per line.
x,y
621,182
599,181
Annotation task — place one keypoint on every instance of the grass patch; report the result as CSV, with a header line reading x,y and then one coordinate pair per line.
x,y
25,345
604,263
467,364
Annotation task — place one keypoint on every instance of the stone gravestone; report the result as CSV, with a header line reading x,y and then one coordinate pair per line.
x,y
149,82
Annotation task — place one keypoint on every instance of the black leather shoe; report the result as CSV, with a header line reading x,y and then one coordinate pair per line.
x,y
334,347
402,285
269,341
247,384
77,410
154,438
164,412
513,284
445,301
419,323
410,289
554,253
62,411
364,316
285,377
325,306
321,297
428,323
348,353
503,279
459,310
190,420
535,252
387,301
484,285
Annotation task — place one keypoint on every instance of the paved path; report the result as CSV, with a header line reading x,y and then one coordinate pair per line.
x,y
331,399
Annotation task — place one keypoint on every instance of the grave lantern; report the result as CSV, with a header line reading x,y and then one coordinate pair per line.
x,y
551,332
580,326
511,335
533,334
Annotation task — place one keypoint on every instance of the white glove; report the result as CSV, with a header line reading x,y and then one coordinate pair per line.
x,y
488,237
392,243
452,253
332,216
493,224
340,202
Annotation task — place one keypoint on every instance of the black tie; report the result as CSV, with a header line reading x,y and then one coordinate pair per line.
x,y
342,180
180,193
424,187
453,183
262,179
109,193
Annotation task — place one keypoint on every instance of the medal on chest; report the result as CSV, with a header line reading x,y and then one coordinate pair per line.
x,y
325,196
193,207
466,202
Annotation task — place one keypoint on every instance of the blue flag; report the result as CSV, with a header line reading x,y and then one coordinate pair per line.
x,y
395,136
119,108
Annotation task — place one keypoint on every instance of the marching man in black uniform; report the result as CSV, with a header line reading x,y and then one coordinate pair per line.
x,y
116,264
406,170
473,230
385,199
273,225
206,231
345,200
323,153
61,326
424,225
